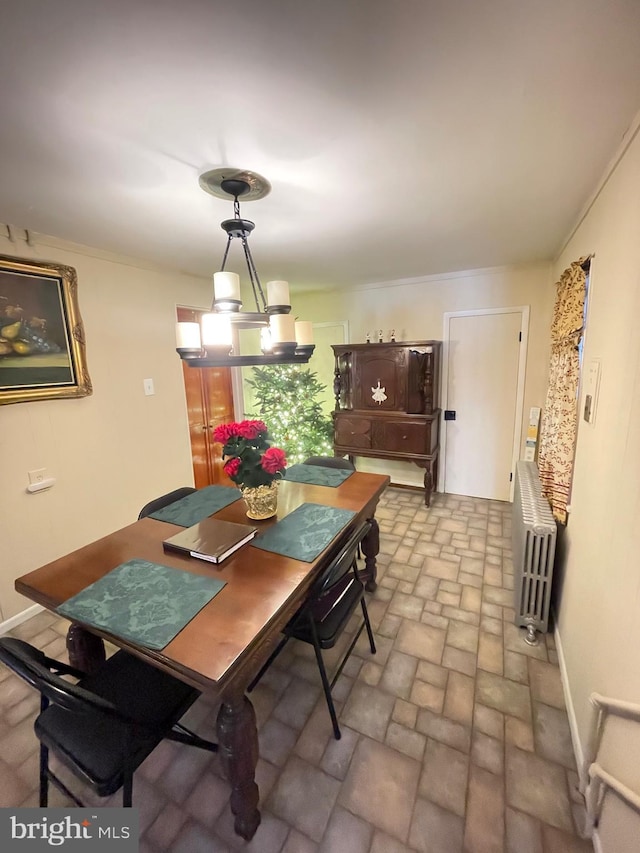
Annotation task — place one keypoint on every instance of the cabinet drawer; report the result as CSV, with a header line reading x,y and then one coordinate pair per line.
x,y
353,432
402,437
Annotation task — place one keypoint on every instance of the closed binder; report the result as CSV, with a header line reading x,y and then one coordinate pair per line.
x,y
211,539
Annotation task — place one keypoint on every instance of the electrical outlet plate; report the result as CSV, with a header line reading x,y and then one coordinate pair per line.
x,y
37,476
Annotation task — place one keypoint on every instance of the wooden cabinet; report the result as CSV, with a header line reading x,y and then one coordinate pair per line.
x,y
387,403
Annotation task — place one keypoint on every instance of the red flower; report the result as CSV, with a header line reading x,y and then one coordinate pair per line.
x,y
231,467
273,460
224,432
250,429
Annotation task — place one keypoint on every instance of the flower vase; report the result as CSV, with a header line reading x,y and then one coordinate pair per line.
x,y
261,501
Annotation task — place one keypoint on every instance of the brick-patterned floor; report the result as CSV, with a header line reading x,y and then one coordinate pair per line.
x,y
454,735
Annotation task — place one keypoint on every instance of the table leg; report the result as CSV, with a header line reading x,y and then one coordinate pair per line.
x,y
238,749
370,548
86,650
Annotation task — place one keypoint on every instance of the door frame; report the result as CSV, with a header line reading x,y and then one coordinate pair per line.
x,y
523,310
343,323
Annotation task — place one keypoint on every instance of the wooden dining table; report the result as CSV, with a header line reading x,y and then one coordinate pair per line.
x,y
221,649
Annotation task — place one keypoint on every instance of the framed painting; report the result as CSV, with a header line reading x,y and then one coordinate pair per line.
x,y
42,345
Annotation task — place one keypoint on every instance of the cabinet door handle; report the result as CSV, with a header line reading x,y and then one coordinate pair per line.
x,y
404,437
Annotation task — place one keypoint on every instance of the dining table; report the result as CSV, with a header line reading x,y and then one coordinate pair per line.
x,y
220,650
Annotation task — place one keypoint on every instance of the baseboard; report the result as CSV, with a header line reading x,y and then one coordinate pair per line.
x,y
8,624
578,751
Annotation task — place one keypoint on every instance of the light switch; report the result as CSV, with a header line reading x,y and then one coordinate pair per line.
x,y
148,387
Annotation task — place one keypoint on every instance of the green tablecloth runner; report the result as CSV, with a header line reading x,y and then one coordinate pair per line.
x,y
317,475
305,532
198,505
143,602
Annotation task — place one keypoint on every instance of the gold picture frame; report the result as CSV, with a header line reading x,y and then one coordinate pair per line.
x,y
42,343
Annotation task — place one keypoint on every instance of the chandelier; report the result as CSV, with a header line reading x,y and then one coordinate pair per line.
x,y
214,341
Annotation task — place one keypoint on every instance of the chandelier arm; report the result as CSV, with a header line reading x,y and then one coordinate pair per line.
x,y
253,276
226,252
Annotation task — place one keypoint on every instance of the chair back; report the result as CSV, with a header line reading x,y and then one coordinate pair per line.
x,y
43,673
340,565
165,500
330,462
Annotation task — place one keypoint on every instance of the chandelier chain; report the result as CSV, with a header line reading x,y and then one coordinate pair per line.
x,y
253,276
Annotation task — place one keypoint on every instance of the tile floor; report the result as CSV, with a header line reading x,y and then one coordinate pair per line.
x,y
454,735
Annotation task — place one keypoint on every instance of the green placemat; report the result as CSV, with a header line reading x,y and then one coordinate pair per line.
x,y
317,475
305,532
198,505
143,602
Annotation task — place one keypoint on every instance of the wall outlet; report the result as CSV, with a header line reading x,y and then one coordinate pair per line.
x,y
149,390
37,476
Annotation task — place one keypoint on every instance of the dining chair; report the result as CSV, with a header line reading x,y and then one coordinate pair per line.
x,y
331,462
104,726
325,614
165,500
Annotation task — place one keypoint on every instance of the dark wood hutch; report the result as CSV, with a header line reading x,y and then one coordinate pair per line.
x,y
387,403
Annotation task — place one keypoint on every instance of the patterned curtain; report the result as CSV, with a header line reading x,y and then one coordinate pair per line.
x,y
560,416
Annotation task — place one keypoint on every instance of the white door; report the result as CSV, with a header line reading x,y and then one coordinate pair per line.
x,y
322,361
484,375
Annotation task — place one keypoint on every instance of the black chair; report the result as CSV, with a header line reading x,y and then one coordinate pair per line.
x,y
324,615
331,462
165,500
105,725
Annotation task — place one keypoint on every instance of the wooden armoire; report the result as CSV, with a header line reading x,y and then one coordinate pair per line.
x,y
387,403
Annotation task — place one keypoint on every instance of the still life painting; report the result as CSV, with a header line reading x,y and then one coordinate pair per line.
x,y
42,344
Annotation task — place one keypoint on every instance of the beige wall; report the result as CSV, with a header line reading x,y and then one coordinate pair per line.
x,y
415,311
599,613
113,451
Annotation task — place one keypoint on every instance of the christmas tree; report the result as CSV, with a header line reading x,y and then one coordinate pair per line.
x,y
286,400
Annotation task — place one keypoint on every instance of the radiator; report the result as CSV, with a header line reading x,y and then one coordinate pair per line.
x,y
534,546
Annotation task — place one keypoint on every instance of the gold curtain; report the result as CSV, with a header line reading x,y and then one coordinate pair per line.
x,y
560,416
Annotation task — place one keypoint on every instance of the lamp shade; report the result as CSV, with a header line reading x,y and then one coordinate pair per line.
x,y
226,287
304,333
283,328
188,336
278,293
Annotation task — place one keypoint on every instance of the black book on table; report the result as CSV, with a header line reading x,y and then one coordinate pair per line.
x,y
211,539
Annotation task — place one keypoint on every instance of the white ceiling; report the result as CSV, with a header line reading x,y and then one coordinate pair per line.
x,y
401,137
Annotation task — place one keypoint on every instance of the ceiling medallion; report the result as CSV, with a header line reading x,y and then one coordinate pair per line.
x,y
212,182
